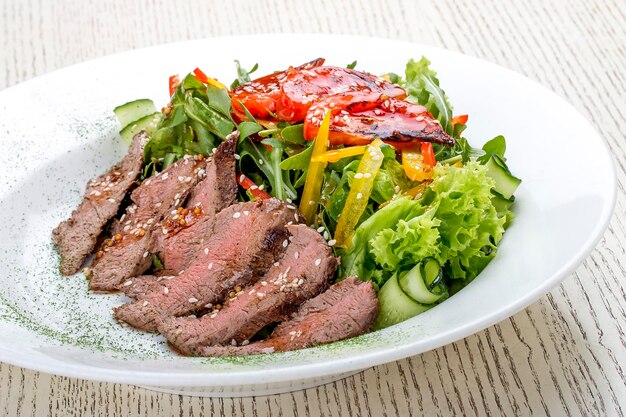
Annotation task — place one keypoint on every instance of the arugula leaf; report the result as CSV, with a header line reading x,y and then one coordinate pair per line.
x,y
248,129
496,146
294,134
299,161
268,162
422,85
243,76
351,65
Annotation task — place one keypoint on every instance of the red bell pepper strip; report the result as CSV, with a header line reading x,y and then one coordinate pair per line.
x,y
249,185
428,154
202,77
174,83
459,120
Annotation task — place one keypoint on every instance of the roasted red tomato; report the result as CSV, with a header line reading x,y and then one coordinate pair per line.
x,y
289,94
261,95
303,88
359,118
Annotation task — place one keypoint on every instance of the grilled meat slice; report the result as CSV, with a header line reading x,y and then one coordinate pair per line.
x,y
183,232
304,270
126,253
347,309
76,237
248,238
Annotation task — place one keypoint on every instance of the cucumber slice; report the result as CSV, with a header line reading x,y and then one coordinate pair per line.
x,y
133,111
147,124
506,183
395,305
424,282
501,204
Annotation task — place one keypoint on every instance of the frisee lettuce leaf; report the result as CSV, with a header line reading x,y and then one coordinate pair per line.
x,y
455,221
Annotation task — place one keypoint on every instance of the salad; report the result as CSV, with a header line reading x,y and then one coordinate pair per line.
x,y
376,164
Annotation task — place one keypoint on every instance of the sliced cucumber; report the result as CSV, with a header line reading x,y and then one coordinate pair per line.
x,y
395,305
502,204
424,283
147,123
506,183
133,111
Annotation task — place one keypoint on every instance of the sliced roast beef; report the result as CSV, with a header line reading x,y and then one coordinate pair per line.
x,y
76,237
126,254
138,287
347,309
304,271
187,228
247,239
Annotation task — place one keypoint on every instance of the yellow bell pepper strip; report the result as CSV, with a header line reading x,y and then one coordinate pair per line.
x,y
360,191
202,77
337,154
315,174
415,167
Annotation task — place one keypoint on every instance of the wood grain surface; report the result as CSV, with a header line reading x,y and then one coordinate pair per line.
x,y
563,356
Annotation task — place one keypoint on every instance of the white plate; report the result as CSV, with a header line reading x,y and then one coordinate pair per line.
x,y
57,131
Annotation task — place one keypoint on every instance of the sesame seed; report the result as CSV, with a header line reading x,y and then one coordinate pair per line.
x,y
262,186
359,196
300,281
237,157
233,342
276,263
145,303
358,175
206,251
128,283
264,283
289,200
166,290
296,255
252,291
111,200
213,315
260,161
332,242
326,235
236,215
246,212
193,300
211,265
311,202
165,231
397,189
165,176
320,229
291,206
367,175
181,178
318,262
208,305
285,243
260,294
145,254
254,187
245,342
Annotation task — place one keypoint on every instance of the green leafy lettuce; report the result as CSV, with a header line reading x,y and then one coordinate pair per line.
x,y
454,221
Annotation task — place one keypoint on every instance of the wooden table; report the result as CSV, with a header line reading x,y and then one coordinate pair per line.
x,y
564,355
